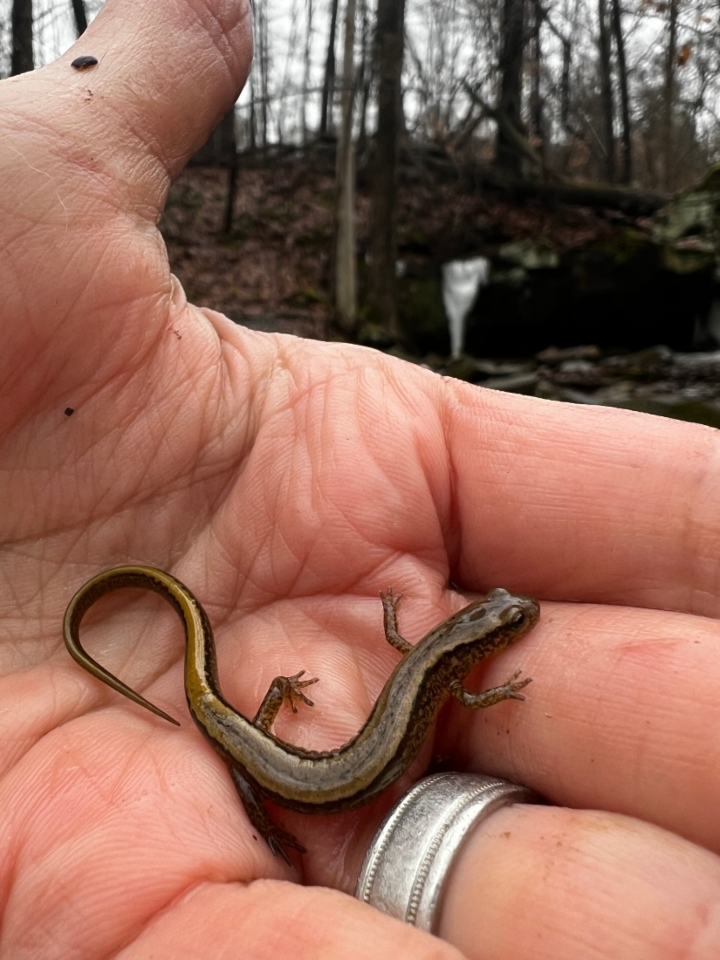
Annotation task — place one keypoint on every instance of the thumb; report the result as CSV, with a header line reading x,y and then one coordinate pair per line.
x,y
167,71
86,159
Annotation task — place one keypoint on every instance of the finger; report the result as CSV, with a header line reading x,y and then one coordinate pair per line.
x,y
555,884
86,159
279,921
623,715
584,503
105,824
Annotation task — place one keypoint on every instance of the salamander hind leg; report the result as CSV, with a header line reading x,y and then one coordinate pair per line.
x,y
282,690
277,838
510,690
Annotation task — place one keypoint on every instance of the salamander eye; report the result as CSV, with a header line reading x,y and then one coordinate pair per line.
x,y
517,617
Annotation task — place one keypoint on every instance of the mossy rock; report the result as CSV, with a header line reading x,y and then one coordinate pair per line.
x,y
692,214
422,315
626,245
681,259
375,335
305,297
711,180
530,256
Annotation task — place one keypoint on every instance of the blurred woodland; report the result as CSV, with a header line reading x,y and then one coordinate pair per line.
x,y
377,139
620,91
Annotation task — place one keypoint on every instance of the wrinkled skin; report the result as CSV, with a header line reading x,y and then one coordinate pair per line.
x,y
287,482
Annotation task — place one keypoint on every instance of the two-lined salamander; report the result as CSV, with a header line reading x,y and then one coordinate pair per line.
x,y
263,766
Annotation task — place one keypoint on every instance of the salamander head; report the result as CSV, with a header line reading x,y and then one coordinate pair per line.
x,y
491,623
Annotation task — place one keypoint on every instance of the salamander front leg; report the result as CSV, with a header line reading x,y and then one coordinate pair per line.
x,y
510,690
282,690
277,838
390,604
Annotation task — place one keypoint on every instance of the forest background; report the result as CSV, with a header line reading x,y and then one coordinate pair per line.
x,y
376,137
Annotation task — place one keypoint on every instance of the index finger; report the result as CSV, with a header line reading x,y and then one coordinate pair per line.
x,y
583,503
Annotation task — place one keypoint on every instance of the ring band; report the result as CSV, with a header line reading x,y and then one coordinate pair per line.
x,y
409,859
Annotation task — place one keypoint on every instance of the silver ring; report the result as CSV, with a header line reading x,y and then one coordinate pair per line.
x,y
410,857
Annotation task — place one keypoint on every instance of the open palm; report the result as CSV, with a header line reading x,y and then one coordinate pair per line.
x,y
287,482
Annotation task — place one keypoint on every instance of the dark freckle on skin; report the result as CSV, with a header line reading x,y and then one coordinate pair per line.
x,y
69,411
84,62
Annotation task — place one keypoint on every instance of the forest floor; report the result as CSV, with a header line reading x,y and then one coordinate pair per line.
x,y
274,272
270,272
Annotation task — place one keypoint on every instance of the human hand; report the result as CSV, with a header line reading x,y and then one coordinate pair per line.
x,y
287,482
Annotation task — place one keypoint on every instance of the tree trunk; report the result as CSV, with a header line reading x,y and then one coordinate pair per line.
x,y
507,157
606,93
364,75
543,16
328,91
565,86
669,98
261,47
389,46
536,103
626,172
78,8
21,60
345,256
306,71
228,124
252,83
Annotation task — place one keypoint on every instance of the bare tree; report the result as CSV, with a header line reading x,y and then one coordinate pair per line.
x,y
565,83
389,47
535,69
606,91
543,17
364,80
80,15
229,140
669,95
262,59
22,37
345,256
626,172
507,157
284,91
306,71
328,91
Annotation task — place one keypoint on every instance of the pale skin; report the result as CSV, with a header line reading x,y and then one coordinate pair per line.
x,y
287,482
